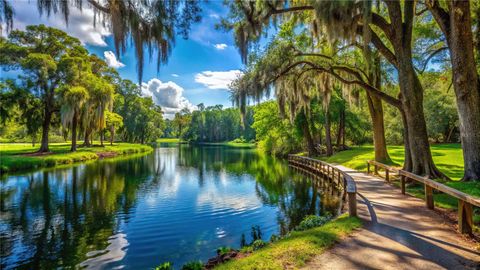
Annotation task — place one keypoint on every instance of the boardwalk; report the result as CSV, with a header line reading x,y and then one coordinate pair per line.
x,y
399,233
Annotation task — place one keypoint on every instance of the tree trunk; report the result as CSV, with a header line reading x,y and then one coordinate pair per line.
x,y
308,136
112,134
86,139
101,138
328,135
379,143
466,85
416,127
74,132
45,129
341,128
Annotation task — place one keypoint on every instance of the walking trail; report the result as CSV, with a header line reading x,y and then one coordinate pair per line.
x,y
399,233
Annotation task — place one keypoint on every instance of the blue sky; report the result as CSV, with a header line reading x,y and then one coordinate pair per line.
x,y
198,70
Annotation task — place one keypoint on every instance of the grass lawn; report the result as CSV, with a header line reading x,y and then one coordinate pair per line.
x,y
13,155
169,140
297,248
447,157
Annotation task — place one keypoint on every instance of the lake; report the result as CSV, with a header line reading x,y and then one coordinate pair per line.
x,y
178,204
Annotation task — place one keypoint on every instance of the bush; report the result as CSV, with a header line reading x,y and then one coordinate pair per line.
x,y
258,244
194,265
165,266
239,140
312,221
223,250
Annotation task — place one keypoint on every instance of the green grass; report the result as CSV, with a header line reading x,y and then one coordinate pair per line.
x,y
13,159
447,157
296,249
169,140
230,144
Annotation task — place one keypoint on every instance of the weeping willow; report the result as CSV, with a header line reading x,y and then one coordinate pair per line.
x,y
148,24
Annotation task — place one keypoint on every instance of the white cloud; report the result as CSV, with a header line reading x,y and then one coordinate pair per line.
x,y
175,75
217,79
220,46
214,15
111,60
80,23
168,95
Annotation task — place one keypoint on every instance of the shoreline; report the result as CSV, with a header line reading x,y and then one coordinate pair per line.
x,y
19,157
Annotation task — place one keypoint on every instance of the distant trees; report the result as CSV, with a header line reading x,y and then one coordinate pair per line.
x,y
59,79
212,124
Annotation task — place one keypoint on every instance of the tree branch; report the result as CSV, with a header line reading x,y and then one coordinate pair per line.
x,y
98,6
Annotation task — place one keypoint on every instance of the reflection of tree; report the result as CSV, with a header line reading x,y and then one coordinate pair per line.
x,y
59,215
295,194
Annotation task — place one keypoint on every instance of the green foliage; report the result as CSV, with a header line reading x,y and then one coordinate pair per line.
x,y
13,158
297,248
142,118
223,250
312,221
258,244
194,265
165,266
274,135
215,124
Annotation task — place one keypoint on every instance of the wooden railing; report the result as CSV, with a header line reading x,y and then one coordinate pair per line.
x,y
465,202
327,170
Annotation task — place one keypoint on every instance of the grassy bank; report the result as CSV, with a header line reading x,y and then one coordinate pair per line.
x,y
169,140
297,248
16,157
447,157
229,144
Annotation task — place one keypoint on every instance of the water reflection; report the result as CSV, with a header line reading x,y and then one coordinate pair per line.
x,y
177,204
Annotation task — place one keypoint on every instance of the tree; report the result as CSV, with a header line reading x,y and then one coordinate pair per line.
x,y
38,52
456,24
114,121
150,24
346,21
73,99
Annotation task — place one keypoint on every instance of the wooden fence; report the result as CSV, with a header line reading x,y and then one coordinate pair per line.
x,y
337,176
465,202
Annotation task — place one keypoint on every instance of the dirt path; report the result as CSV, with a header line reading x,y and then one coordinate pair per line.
x,y
399,233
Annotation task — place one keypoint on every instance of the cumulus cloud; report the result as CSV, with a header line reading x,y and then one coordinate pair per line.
x,y
168,95
220,46
175,75
217,79
80,23
111,60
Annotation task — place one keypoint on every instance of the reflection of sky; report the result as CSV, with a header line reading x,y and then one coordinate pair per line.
x,y
184,218
176,212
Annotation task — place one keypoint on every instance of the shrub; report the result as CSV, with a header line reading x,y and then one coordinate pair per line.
x,y
258,244
165,266
223,250
194,265
312,221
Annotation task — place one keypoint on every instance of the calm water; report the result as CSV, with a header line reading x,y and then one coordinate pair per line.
x,y
177,204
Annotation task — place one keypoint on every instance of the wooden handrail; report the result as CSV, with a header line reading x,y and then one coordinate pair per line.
x,y
465,201
318,166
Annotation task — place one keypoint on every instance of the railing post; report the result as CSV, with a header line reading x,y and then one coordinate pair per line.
x,y
368,167
376,169
429,196
465,217
402,181
352,204
387,176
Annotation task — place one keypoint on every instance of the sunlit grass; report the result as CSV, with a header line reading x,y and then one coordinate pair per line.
x,y
447,157
169,140
13,158
297,248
